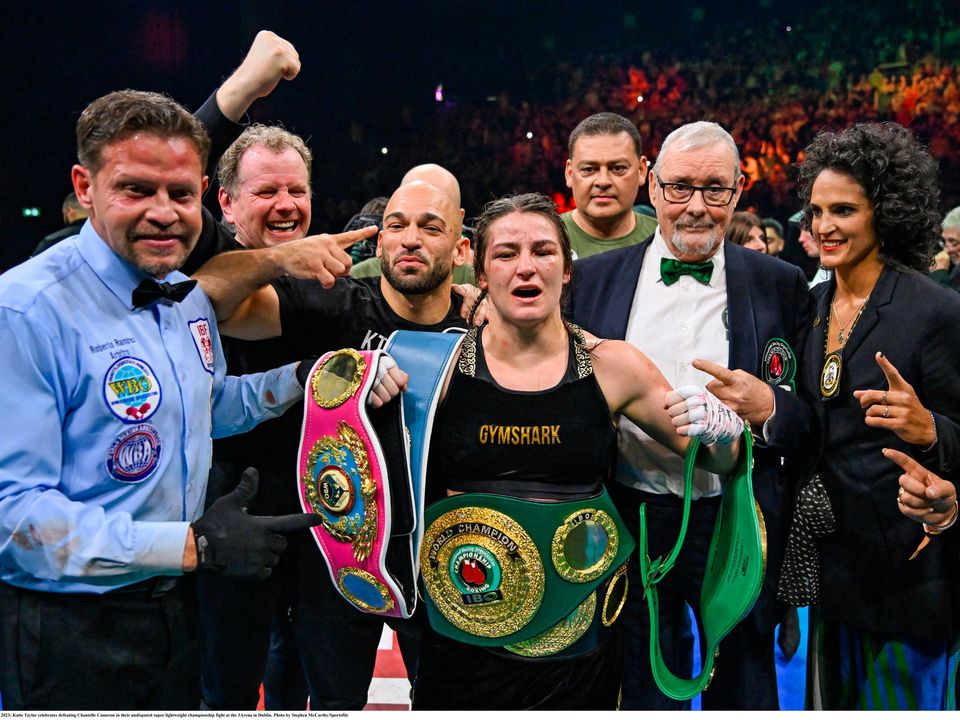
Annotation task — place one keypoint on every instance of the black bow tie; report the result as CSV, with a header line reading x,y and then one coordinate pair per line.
x,y
149,291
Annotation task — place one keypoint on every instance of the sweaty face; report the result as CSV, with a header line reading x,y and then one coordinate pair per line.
x,y
951,243
524,268
605,174
271,204
694,230
842,222
420,239
144,200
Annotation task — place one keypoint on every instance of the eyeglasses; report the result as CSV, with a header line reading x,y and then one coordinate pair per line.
x,y
681,192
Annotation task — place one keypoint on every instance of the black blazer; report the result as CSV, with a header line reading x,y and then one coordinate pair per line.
x,y
867,580
766,299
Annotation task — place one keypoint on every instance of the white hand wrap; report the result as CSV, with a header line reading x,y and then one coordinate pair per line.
x,y
383,367
709,418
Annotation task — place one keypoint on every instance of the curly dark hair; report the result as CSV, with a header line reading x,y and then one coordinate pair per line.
x,y
897,175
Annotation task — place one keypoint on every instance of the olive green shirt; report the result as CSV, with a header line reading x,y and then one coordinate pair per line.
x,y
585,245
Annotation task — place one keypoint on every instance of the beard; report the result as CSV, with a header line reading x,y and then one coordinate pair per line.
x,y
703,245
429,280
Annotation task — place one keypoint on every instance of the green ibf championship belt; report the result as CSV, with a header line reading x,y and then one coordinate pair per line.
x,y
734,575
536,579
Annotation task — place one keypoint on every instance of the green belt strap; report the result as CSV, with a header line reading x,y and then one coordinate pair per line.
x,y
499,570
734,573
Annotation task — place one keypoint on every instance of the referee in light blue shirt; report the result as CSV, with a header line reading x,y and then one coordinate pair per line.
x,y
111,387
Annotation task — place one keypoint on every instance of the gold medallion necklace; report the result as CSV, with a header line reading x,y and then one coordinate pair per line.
x,y
833,361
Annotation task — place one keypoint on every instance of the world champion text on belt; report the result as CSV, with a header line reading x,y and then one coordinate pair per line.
x,y
540,580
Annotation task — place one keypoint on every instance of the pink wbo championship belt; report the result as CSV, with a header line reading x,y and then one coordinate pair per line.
x,y
353,472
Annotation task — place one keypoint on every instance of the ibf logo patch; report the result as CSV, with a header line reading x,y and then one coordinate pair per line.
x,y
202,339
476,574
131,390
135,454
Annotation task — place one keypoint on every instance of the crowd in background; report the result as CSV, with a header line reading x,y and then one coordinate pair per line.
x,y
773,88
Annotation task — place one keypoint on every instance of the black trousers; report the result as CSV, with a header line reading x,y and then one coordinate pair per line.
x,y
247,638
117,651
338,643
745,676
455,676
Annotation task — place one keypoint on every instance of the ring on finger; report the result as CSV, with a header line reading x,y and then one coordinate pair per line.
x,y
900,496
886,411
884,397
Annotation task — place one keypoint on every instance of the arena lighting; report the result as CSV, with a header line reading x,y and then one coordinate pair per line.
x,y
438,93
639,98
384,150
789,28
529,135
31,212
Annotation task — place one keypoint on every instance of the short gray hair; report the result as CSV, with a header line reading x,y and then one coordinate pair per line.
x,y
697,134
952,219
275,139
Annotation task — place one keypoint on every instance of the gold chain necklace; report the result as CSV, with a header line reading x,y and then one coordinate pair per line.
x,y
841,337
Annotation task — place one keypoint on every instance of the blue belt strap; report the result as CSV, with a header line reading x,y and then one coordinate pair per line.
x,y
426,357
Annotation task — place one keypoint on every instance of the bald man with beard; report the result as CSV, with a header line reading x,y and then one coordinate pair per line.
x,y
441,178
315,310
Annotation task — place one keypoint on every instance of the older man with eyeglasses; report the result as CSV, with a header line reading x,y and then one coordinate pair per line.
x,y
711,313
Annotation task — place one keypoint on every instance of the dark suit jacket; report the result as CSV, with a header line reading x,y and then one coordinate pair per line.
x,y
766,298
868,581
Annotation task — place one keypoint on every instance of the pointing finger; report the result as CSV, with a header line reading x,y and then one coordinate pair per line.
x,y
346,239
894,378
906,463
721,373
293,522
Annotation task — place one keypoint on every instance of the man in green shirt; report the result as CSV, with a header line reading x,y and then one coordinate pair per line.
x,y
605,171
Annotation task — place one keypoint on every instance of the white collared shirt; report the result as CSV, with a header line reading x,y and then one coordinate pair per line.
x,y
673,325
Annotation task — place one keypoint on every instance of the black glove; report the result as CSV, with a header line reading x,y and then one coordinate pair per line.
x,y
304,368
233,543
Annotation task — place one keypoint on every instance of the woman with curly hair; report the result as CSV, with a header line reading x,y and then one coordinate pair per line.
x,y
881,364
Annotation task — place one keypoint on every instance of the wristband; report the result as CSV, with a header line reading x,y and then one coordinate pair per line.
x,y
934,421
937,529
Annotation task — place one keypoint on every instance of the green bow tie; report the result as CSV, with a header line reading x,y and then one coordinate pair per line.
x,y
671,270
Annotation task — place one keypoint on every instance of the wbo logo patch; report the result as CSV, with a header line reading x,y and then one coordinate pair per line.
x,y
135,454
779,363
202,339
131,390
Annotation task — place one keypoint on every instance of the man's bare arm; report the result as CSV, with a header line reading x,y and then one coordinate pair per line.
x,y
230,278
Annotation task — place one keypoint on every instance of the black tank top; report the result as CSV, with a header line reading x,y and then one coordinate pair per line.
x,y
553,444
